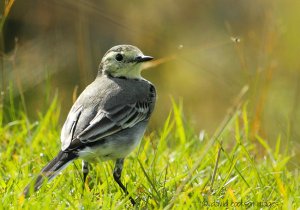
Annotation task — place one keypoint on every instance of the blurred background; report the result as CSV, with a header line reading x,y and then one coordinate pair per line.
x,y
209,50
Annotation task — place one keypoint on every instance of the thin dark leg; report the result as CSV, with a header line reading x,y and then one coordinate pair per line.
x,y
85,171
117,176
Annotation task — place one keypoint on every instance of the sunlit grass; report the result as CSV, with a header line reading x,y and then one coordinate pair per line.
x,y
172,169
175,167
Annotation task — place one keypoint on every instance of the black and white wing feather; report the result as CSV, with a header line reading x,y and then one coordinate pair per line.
x,y
108,122
69,127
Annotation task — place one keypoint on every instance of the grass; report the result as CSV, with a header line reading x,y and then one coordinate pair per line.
x,y
174,167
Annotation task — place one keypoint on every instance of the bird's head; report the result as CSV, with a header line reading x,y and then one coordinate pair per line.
x,y
123,61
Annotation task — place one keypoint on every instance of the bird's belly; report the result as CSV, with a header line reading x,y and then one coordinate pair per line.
x,y
114,147
106,151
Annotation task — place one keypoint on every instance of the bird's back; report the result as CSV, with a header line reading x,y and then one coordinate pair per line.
x,y
102,95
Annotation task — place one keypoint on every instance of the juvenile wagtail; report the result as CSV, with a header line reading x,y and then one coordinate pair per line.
x,y
109,118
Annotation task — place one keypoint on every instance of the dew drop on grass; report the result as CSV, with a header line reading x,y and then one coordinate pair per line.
x,y
72,191
201,135
172,157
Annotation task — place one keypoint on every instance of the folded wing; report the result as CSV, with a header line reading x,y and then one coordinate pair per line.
x,y
106,122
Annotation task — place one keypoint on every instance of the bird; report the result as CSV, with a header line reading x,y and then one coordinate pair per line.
x,y
108,119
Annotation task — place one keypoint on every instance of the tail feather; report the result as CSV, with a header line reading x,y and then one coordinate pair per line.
x,y
50,171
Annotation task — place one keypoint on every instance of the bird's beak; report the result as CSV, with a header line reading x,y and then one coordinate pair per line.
x,y
143,58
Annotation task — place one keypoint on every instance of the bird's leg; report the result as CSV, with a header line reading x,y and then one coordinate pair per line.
x,y
85,171
117,176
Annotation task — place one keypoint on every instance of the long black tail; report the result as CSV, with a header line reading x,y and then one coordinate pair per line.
x,y
50,171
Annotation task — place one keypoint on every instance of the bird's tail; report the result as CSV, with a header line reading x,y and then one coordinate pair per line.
x,y
50,171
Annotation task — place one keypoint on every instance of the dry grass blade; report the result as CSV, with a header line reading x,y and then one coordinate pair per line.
x,y
215,168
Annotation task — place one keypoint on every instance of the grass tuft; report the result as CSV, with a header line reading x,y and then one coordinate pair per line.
x,y
172,169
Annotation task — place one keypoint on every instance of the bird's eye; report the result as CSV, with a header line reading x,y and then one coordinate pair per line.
x,y
119,57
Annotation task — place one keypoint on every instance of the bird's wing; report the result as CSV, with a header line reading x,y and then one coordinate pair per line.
x,y
69,127
108,122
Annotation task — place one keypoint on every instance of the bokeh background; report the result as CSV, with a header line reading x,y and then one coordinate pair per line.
x,y
207,51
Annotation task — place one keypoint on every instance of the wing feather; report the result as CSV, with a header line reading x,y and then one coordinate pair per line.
x,y
112,121
69,127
